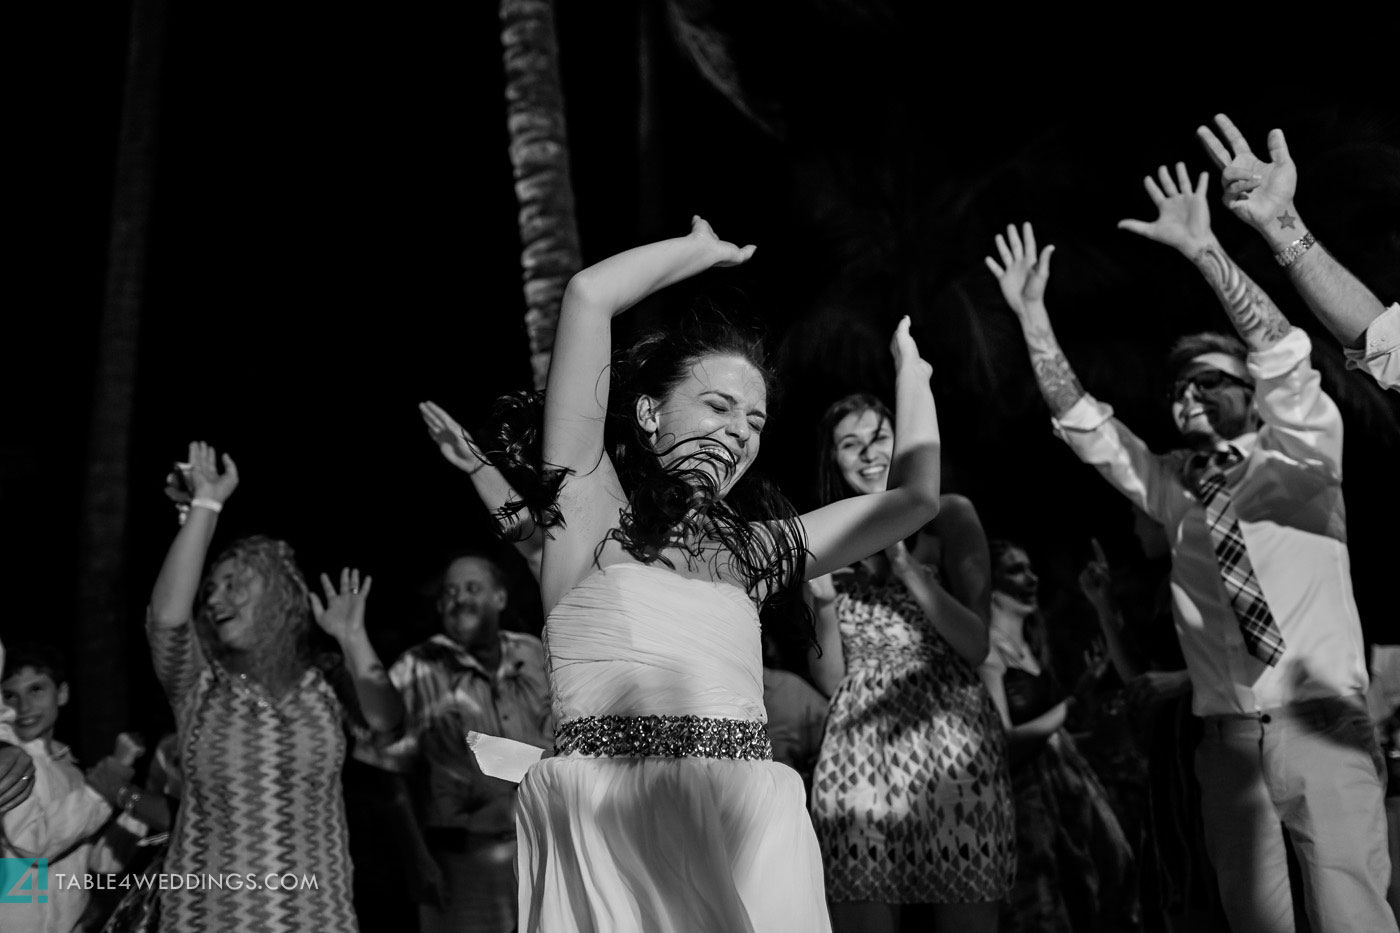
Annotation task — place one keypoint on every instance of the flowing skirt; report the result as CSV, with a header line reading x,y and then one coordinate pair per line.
x,y
1075,870
667,845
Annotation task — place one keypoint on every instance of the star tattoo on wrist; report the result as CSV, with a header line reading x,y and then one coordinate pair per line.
x,y
1287,221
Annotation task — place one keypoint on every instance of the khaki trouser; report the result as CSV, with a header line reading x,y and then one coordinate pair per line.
x,y
1314,767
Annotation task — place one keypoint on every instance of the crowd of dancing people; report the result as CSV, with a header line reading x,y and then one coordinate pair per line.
x,y
943,756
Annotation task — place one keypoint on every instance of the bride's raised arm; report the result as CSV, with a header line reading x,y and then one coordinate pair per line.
x,y
576,394
846,531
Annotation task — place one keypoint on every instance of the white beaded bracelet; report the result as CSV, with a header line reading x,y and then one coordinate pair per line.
x,y
213,505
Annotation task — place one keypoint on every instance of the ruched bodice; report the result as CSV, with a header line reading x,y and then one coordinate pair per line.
x,y
639,640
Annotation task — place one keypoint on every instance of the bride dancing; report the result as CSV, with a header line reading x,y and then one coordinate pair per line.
x,y
662,810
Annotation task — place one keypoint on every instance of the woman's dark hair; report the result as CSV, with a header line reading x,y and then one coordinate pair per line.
x,y
831,485
668,507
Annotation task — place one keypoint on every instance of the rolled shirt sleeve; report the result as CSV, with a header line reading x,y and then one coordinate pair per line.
x,y
1381,355
1149,480
1300,420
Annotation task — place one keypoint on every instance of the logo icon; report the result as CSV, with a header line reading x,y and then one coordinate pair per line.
x,y
24,881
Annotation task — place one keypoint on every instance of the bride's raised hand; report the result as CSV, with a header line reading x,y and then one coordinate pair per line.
x,y
723,252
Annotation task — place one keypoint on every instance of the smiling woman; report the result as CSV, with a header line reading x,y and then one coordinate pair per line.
x,y
682,428
910,797
712,419
858,430
262,718
253,605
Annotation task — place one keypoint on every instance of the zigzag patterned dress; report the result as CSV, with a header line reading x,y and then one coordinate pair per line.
x,y
911,797
262,796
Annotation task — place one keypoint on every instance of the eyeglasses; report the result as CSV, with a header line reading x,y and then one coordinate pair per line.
x,y
1205,380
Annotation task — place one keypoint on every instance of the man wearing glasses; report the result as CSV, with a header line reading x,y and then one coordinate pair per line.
x,y
1261,585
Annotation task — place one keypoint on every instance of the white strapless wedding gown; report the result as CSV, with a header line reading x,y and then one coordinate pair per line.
x,y
644,662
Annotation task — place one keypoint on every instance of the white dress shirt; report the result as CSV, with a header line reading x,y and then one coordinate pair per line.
x,y
1287,492
1381,356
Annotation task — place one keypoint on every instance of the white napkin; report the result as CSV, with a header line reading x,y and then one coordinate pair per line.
x,y
502,758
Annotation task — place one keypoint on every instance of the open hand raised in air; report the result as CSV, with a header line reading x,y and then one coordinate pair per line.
x,y
342,615
1183,217
454,443
205,477
1257,192
1022,272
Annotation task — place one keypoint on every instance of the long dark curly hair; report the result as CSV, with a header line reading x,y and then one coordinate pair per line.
x,y
668,507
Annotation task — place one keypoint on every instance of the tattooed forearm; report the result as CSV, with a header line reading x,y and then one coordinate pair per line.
x,y
1053,374
1057,381
1254,315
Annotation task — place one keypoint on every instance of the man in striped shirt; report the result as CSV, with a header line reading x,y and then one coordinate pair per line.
x,y
471,676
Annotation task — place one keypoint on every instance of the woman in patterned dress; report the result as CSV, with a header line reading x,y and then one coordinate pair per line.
x,y
911,797
261,723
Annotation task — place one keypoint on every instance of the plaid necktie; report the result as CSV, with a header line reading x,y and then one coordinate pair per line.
x,y
1261,633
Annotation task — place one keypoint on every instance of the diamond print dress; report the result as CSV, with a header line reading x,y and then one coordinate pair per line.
x,y
261,796
911,797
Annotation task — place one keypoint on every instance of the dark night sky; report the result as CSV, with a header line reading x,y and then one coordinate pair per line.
x,y
334,240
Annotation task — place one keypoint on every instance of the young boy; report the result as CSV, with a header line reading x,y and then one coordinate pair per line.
x,y
62,816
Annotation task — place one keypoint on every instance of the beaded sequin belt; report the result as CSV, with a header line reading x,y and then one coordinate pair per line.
x,y
663,737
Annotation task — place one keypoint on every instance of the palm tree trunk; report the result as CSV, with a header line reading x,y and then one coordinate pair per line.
x,y
539,152
102,622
